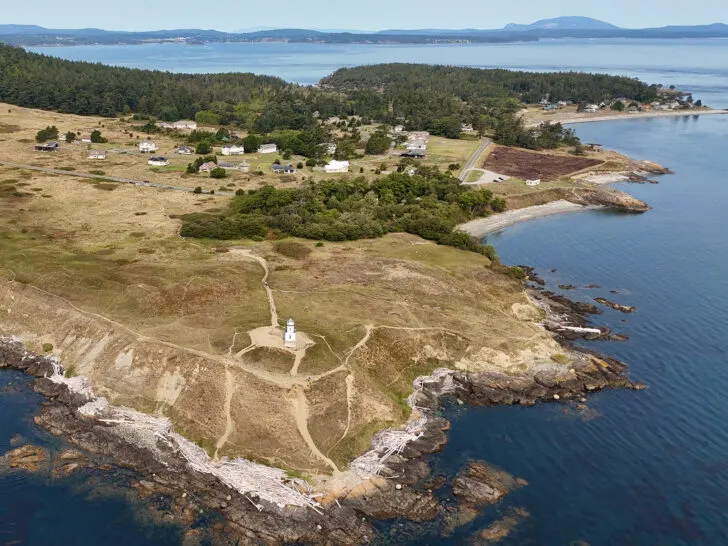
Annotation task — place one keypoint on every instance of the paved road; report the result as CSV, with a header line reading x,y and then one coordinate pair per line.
x,y
143,183
472,162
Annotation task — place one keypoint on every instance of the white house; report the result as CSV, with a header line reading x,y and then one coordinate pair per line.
x,y
184,124
289,338
467,128
534,182
185,150
148,147
158,161
96,154
233,149
417,146
337,167
207,167
591,108
267,149
86,139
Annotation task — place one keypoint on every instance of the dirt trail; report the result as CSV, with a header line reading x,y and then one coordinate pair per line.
x,y
271,302
229,388
300,411
361,343
349,398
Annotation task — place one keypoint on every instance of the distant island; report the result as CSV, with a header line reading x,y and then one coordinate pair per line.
x,y
558,27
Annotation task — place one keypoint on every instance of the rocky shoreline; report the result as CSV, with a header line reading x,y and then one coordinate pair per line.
x,y
403,487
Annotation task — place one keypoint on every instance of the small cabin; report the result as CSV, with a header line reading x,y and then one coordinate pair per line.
x,y
48,147
534,182
283,169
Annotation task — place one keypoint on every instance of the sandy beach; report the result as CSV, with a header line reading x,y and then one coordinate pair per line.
x,y
568,118
485,226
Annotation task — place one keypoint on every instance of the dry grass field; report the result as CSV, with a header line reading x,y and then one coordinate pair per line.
x,y
184,327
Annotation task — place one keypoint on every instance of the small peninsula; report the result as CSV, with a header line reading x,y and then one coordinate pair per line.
x,y
160,233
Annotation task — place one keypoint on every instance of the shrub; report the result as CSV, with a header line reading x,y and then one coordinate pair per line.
x,y
96,137
218,172
310,163
47,347
49,133
516,272
453,167
203,148
198,189
299,165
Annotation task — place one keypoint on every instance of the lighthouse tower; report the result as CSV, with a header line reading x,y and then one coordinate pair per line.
x,y
289,338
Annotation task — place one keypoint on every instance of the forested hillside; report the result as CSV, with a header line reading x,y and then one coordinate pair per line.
x,y
397,80
39,81
438,99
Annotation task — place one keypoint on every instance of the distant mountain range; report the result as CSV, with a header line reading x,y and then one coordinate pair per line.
x,y
559,27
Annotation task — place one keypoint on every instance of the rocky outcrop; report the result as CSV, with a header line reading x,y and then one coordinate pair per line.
x,y
480,484
29,458
607,197
616,306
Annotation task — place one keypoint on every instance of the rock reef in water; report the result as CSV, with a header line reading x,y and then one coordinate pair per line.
x,y
616,306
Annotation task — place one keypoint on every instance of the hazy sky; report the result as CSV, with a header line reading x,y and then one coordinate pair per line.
x,y
343,14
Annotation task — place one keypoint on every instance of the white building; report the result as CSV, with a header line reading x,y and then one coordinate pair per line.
x,y
591,108
185,124
95,154
185,150
289,338
233,149
398,128
417,146
158,161
337,166
267,149
534,182
148,147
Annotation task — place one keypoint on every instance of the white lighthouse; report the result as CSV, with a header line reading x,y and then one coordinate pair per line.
x,y
289,338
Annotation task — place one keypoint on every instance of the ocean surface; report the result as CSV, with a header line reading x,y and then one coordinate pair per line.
x,y
635,467
700,64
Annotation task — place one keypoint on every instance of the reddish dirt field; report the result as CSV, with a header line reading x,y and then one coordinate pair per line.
x,y
528,165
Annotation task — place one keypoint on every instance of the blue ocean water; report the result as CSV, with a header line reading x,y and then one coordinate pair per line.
x,y
85,509
639,467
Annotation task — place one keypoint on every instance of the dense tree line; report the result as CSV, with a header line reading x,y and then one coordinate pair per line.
x,y
429,204
39,81
432,98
